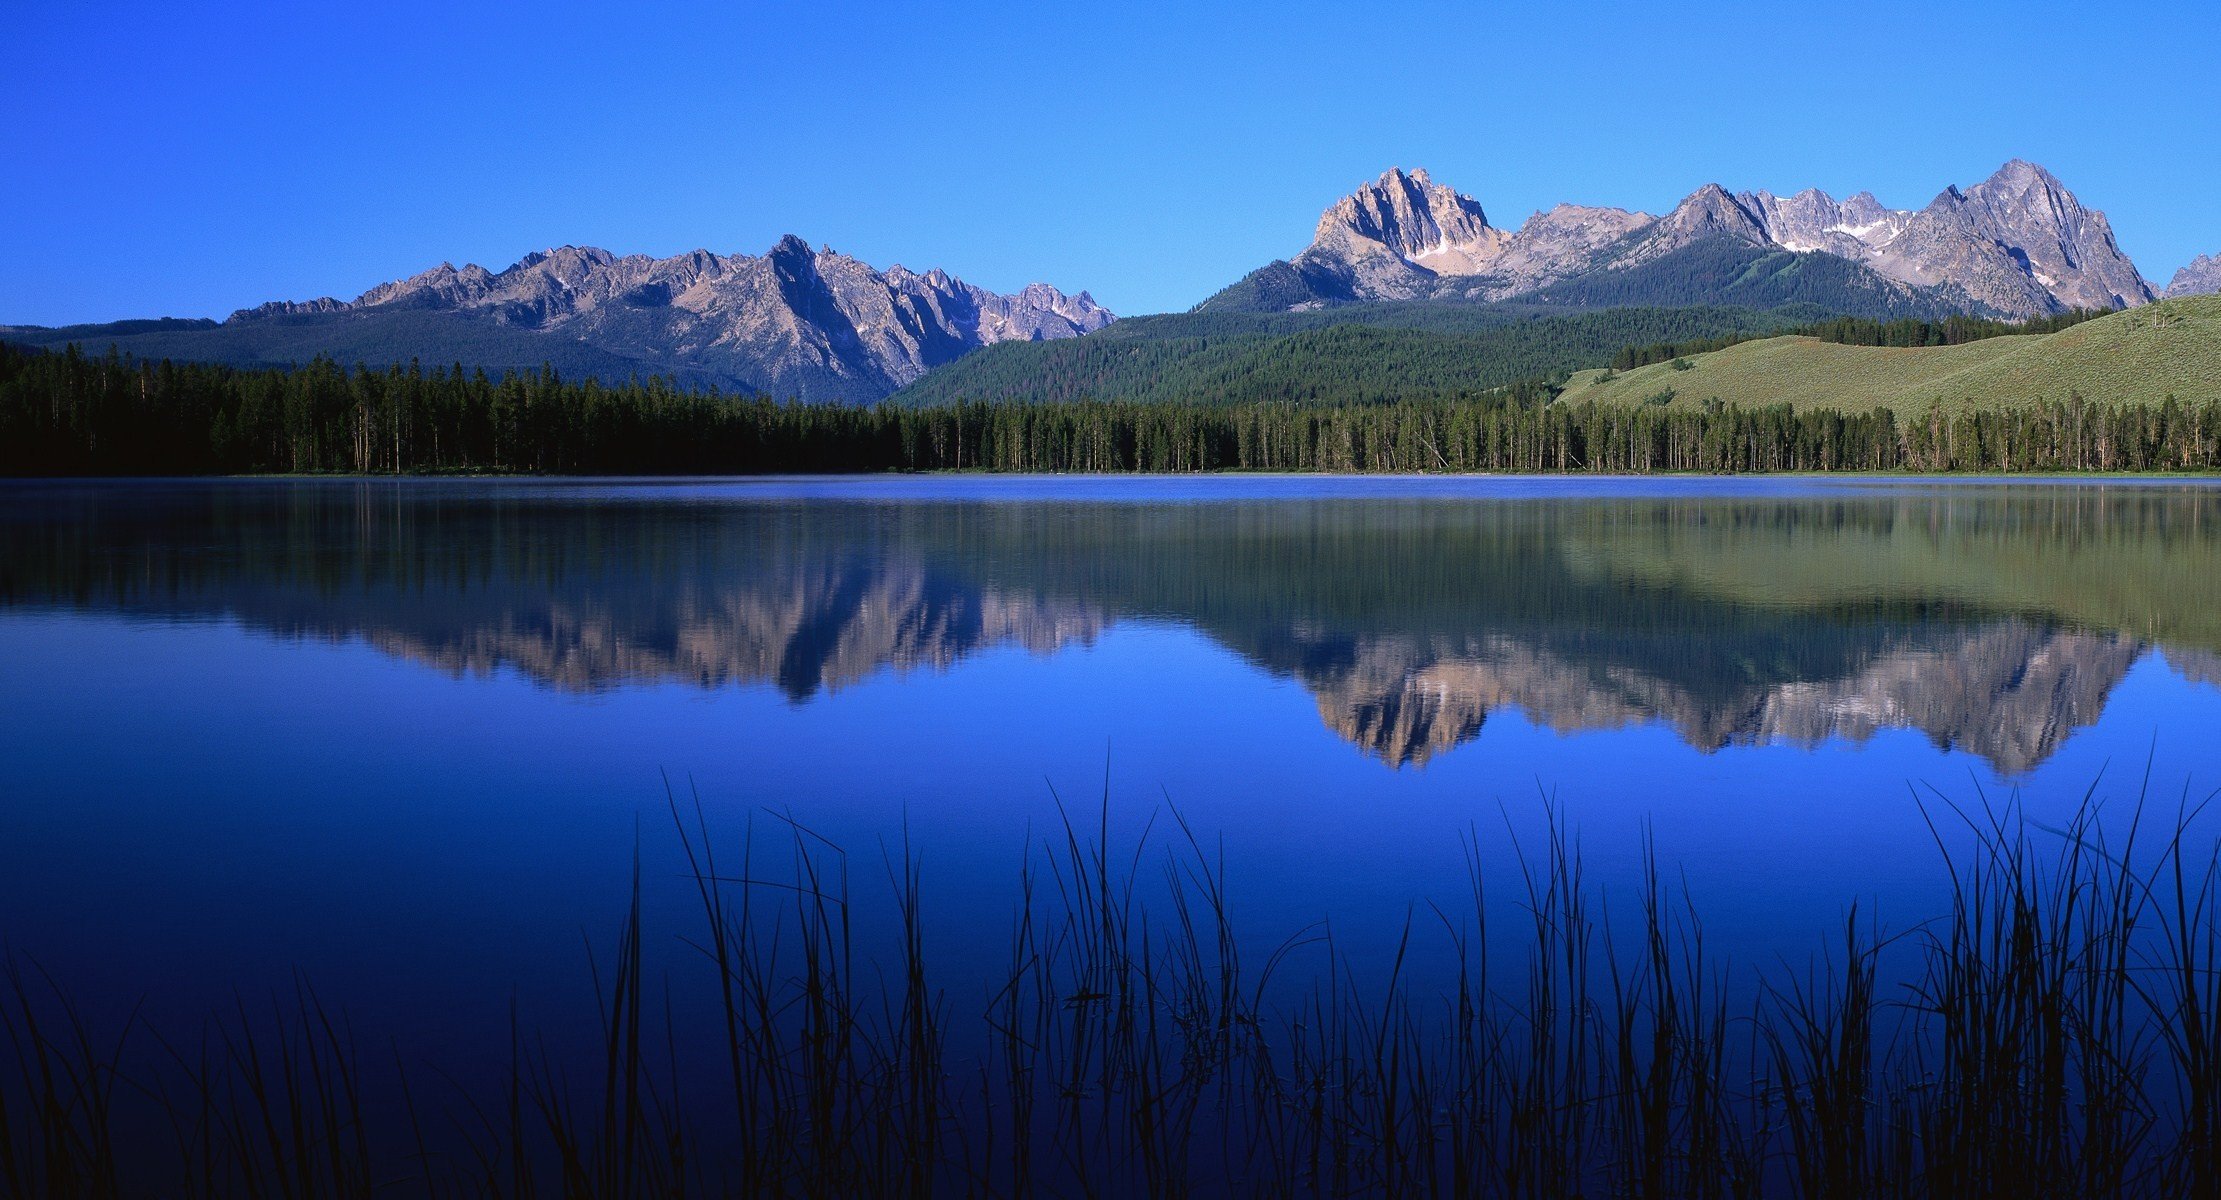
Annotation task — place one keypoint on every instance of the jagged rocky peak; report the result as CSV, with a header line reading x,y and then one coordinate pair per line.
x,y
1582,220
1814,220
1563,241
2018,244
2024,183
1706,214
2066,248
795,322
1862,209
1404,236
1711,208
443,284
2202,277
1080,307
1417,219
290,308
566,260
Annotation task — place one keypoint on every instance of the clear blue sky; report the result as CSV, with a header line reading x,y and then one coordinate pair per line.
x,y
170,159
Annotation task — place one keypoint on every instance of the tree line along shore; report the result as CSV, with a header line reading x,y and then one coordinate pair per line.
x,y
69,413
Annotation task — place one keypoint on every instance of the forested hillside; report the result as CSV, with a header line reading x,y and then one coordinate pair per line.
x,y
1227,353
378,337
1721,271
1712,271
1353,355
66,414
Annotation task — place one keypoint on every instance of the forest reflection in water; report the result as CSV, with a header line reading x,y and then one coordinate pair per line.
x,y
1995,619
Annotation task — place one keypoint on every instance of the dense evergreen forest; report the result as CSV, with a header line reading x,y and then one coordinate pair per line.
x,y
1414,351
1727,271
1349,355
70,414
1903,333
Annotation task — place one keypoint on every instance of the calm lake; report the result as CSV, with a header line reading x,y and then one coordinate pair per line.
x,y
404,737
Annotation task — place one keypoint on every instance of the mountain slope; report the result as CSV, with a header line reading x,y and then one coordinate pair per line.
x,y
1320,357
1726,269
375,338
794,322
2172,348
2017,244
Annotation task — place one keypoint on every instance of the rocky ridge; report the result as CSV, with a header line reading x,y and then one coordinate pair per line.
x,y
812,324
2202,277
2018,244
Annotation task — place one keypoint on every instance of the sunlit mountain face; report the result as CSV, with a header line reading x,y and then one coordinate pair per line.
x,y
1996,620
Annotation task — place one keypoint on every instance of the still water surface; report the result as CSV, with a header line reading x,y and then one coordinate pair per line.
x,y
404,736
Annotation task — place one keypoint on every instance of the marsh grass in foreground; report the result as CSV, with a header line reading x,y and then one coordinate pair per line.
x,y
2056,1032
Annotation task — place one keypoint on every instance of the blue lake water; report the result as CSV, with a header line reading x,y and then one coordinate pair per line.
x,y
403,737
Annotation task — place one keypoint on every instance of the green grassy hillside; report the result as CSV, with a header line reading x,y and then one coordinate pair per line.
x,y
2141,356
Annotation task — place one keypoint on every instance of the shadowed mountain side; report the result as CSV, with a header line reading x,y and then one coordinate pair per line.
x,y
1994,620
1349,354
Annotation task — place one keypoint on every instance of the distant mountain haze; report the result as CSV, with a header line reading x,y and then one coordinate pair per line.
x,y
2017,244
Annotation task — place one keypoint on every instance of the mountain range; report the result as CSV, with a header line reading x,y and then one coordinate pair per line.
x,y
2018,244
1401,252
793,322
2201,278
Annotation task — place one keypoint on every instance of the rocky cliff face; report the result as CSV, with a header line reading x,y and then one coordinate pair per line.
x,y
1560,242
1707,214
2201,278
1393,236
1814,220
1405,237
2017,244
793,322
2018,241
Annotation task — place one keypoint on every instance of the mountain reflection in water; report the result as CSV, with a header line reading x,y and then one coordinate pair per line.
x,y
1996,619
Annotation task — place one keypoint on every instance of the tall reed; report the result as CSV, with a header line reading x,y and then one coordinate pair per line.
x,y
2056,1031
